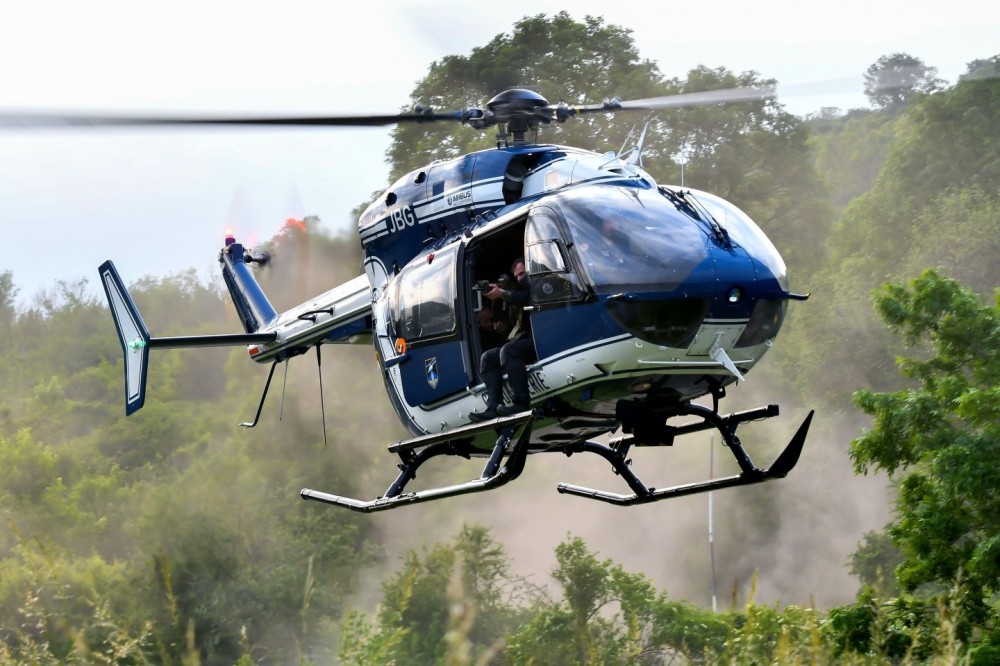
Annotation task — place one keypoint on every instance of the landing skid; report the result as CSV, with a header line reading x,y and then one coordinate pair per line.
x,y
616,453
513,434
513,438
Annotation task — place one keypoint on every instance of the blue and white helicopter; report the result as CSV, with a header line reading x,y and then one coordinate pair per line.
x,y
644,299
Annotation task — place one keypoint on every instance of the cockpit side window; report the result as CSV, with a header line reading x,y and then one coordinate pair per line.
x,y
545,257
549,275
424,303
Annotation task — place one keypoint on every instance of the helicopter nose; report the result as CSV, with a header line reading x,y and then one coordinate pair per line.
x,y
736,282
747,310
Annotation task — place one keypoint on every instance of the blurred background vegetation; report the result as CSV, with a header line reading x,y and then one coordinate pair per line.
x,y
175,536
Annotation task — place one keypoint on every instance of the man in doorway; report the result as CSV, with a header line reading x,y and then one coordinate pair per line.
x,y
514,356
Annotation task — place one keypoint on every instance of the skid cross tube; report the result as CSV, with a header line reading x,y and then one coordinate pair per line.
x,y
733,420
749,474
459,433
494,474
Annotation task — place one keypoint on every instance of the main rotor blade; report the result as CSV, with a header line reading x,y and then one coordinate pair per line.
x,y
29,119
54,120
476,117
747,94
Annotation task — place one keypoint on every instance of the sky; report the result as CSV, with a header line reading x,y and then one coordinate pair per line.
x,y
158,201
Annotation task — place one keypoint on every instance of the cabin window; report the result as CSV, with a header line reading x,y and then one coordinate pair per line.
x,y
424,306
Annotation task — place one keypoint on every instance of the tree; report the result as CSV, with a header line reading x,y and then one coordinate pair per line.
x,y
850,152
875,561
941,438
455,600
894,80
169,531
933,203
610,616
8,296
982,68
752,153
559,58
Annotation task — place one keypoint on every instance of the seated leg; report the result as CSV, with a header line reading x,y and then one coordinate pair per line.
x,y
514,359
492,374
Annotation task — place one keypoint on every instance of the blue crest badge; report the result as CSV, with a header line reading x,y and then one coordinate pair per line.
x,y
431,370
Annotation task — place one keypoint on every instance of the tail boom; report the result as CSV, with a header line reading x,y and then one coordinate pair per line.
x,y
341,315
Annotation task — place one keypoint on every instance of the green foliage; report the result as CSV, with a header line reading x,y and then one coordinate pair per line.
x,y
364,644
875,562
941,437
167,537
850,152
28,468
59,608
943,145
901,627
463,585
8,296
894,80
763,634
850,628
933,204
610,616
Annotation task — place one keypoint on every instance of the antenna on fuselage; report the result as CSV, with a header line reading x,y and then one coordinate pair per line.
x,y
635,154
322,402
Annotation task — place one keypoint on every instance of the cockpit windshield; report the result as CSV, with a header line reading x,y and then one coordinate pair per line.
x,y
745,233
633,240
639,240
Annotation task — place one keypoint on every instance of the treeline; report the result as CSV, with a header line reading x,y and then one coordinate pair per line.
x,y
168,534
169,538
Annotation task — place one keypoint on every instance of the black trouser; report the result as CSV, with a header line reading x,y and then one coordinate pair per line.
x,y
513,359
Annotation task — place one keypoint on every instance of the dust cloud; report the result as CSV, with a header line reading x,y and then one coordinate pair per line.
x,y
794,536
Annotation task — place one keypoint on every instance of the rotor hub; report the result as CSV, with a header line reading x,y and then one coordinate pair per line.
x,y
517,111
516,101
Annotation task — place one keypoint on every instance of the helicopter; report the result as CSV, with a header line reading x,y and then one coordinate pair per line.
x,y
644,299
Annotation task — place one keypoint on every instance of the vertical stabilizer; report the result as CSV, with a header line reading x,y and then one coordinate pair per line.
x,y
132,334
136,342
252,306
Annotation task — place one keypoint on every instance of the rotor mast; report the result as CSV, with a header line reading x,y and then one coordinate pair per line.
x,y
513,133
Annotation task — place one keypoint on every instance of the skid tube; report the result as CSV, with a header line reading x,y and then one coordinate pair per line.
x,y
513,435
616,452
